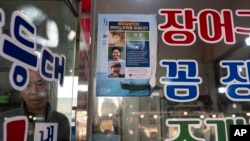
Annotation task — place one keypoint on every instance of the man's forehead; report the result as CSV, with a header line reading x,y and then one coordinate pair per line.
x,y
34,76
116,67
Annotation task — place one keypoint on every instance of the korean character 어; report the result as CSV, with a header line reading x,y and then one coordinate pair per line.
x,y
174,32
214,26
181,81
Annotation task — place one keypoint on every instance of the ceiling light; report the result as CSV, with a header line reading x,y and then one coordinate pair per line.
x,y
83,88
221,89
71,35
155,116
50,36
202,116
247,41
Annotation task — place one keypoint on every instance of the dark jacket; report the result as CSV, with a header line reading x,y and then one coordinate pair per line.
x,y
120,75
51,116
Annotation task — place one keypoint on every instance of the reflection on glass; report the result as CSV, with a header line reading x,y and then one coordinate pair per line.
x,y
47,33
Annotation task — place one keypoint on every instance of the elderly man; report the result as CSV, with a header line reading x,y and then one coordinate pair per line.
x,y
36,107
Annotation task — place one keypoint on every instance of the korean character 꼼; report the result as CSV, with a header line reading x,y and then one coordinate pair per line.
x,y
181,81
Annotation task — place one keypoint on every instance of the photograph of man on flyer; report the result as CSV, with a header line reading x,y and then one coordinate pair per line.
x,y
116,54
116,70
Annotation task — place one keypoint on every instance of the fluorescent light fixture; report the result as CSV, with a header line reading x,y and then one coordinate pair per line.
x,y
221,89
234,106
52,38
83,88
110,114
38,17
202,116
33,13
247,41
71,35
69,88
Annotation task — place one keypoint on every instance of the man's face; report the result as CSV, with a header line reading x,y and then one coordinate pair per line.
x,y
116,54
116,70
116,38
35,94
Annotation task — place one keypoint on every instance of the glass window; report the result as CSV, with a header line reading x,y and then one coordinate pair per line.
x,y
157,117
47,31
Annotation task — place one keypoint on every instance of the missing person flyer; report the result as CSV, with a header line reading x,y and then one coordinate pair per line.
x,y
126,54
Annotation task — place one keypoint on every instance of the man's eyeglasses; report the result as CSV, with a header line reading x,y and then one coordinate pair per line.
x,y
39,85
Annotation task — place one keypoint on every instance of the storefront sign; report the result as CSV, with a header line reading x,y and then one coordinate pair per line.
x,y
46,131
16,129
179,79
20,48
186,127
126,55
181,83
212,26
186,79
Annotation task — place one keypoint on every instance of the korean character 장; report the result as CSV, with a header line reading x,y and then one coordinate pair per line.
x,y
174,29
237,83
